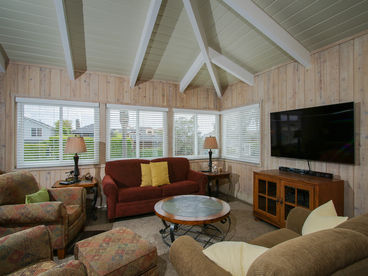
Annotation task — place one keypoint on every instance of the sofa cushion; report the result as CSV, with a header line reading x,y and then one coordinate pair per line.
x,y
274,238
160,173
146,175
74,212
180,188
139,193
126,173
320,253
178,168
359,224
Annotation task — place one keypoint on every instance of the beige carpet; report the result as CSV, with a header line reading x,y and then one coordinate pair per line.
x,y
243,228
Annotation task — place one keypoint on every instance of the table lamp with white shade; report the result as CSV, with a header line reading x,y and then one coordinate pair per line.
x,y
75,145
210,143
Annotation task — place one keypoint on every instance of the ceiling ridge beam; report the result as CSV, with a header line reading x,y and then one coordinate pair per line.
x,y
270,28
145,38
192,72
4,60
65,36
231,67
200,35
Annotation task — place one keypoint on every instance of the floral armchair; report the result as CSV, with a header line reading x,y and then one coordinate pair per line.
x,y
64,215
29,252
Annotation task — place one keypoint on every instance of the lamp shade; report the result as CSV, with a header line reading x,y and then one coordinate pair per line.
x,y
210,143
75,145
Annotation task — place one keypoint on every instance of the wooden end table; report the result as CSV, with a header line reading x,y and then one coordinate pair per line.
x,y
216,176
89,185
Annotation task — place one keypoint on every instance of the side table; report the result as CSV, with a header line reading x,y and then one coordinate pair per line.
x,y
216,176
89,185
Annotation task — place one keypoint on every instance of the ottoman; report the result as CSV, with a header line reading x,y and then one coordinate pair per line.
x,y
117,252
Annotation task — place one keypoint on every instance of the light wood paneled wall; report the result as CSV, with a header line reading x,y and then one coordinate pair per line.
x,y
337,74
44,82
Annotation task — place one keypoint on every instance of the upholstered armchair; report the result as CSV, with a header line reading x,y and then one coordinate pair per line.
x,y
29,252
64,215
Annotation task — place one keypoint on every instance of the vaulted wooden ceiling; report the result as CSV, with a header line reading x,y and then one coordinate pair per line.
x,y
107,35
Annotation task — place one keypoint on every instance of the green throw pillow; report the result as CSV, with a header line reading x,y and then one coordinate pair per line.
x,y
40,196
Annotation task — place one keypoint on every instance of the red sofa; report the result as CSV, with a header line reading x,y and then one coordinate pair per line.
x,y
125,197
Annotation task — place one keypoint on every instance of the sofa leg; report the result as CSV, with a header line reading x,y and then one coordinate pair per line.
x,y
111,220
61,253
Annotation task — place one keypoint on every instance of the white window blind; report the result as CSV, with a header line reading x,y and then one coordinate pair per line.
x,y
136,132
241,134
43,126
190,130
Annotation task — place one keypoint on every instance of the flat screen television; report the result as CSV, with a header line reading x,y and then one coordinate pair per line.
x,y
323,133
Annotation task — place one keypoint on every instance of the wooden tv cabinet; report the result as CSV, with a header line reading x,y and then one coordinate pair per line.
x,y
275,193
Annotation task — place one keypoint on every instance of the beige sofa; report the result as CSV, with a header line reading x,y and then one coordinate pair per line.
x,y
339,251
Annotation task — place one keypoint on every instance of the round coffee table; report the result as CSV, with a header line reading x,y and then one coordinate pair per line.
x,y
193,210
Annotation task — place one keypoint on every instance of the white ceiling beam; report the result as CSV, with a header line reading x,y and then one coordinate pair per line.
x,y
200,35
192,72
231,67
270,28
145,38
4,60
65,36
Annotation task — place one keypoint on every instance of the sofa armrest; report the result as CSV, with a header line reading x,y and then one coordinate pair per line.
x,y
33,245
110,189
33,214
296,219
71,268
188,259
200,178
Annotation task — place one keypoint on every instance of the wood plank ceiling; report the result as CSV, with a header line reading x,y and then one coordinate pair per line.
x,y
105,34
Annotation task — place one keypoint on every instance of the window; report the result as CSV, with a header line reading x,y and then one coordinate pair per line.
x,y
241,134
43,126
136,132
191,127
35,131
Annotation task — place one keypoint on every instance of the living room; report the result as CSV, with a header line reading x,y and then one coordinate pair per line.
x,y
337,73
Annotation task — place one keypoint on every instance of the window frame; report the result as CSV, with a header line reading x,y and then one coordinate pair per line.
x,y
251,160
196,112
137,109
19,106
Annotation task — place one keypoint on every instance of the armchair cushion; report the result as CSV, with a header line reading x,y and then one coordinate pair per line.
x,y
41,196
68,196
35,213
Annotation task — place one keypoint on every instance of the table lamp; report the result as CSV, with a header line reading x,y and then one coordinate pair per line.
x,y
210,143
75,145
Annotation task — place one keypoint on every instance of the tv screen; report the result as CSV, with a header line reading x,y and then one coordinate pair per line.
x,y
323,133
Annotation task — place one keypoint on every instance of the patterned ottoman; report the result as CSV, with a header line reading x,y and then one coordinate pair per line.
x,y
117,252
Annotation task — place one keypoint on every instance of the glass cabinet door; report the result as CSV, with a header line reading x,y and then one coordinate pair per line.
x,y
295,195
266,196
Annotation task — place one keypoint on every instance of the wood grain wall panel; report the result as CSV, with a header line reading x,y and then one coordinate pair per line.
x,y
337,74
53,83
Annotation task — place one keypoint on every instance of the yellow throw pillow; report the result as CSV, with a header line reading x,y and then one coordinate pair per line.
x,y
160,173
146,175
